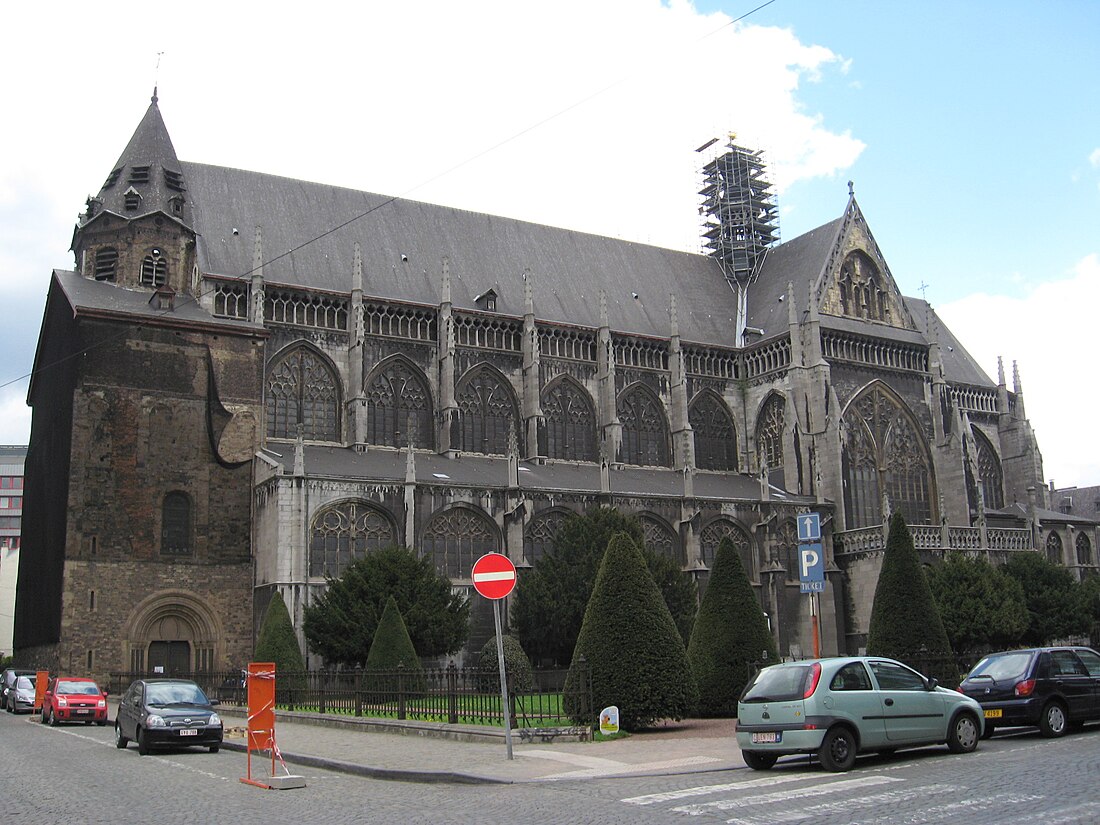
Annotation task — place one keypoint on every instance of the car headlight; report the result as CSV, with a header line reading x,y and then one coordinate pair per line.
x,y
214,720
154,721
62,701
102,703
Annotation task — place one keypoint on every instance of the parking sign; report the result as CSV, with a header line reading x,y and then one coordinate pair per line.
x,y
811,568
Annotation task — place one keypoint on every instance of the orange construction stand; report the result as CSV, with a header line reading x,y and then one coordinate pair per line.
x,y
41,679
261,716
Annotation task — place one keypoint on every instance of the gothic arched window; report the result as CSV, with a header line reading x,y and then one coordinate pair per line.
x,y
175,525
1054,548
344,532
858,285
1084,549
660,538
399,406
712,536
538,538
884,452
570,422
303,389
989,468
645,430
154,269
486,412
455,539
715,436
769,432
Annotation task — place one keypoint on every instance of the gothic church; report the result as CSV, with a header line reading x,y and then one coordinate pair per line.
x,y
246,381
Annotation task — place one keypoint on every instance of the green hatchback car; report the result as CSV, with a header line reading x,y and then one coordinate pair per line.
x,y
836,708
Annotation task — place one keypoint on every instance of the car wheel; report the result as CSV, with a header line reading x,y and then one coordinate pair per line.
x,y
143,745
963,736
45,718
53,719
838,750
214,748
1052,721
759,761
120,740
101,722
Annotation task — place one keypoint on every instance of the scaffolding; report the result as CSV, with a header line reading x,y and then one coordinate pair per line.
x,y
740,213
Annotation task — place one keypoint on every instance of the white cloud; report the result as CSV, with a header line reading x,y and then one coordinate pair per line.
x,y
15,415
1094,158
1051,334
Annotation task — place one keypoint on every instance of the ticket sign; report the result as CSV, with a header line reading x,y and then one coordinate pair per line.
x,y
811,568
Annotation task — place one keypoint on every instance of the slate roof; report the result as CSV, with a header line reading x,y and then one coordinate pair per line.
x,y
403,243
88,296
386,465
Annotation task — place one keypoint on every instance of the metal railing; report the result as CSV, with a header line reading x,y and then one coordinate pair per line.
x,y
452,694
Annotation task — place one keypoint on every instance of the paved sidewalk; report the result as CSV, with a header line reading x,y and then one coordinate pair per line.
x,y
414,753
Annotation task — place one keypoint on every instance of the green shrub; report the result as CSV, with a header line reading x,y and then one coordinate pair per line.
x,y
631,647
520,674
730,633
278,643
392,650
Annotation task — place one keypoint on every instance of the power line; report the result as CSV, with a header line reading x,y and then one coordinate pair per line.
x,y
393,198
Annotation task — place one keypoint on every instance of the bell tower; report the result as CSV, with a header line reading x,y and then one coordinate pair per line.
x,y
138,231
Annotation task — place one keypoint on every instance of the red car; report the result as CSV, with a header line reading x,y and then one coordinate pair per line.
x,y
74,700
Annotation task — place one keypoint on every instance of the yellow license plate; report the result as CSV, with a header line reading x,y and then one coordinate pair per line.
x,y
993,713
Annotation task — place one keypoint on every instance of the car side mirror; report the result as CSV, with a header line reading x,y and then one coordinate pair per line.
x,y
931,683
215,701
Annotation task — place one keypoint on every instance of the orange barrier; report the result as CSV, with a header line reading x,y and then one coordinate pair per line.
x,y
41,679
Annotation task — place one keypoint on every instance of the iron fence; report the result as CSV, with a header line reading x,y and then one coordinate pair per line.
x,y
452,694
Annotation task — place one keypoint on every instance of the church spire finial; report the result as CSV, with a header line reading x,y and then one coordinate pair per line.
x,y
154,98
851,189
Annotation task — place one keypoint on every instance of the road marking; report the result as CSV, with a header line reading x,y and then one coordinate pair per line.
x,y
831,809
631,768
703,790
785,796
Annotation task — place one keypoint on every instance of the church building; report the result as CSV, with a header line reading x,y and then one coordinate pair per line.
x,y
245,382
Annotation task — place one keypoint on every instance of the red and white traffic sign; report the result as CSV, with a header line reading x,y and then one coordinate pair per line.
x,y
494,576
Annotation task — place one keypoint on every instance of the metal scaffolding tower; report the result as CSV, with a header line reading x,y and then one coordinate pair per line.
x,y
740,214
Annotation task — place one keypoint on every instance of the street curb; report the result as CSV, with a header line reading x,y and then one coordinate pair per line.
x,y
391,774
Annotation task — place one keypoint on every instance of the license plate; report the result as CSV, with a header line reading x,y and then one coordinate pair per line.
x,y
993,713
769,738
83,710
189,732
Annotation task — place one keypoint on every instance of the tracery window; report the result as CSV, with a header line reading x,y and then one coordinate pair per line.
x,y
399,406
538,538
175,525
645,430
884,451
303,389
786,548
712,536
715,436
487,413
154,269
860,294
344,532
1054,547
455,539
570,422
660,538
1084,549
769,432
989,468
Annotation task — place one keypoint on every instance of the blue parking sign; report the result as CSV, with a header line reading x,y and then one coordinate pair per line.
x,y
811,568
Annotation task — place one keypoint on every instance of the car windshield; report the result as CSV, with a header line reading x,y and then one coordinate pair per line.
x,y
176,695
777,684
78,688
23,683
998,668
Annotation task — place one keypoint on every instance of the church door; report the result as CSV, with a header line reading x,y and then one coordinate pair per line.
x,y
171,657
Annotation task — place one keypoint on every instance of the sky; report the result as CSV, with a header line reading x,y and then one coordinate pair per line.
x,y
970,130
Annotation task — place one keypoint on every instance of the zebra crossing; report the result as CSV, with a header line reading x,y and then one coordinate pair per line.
x,y
872,799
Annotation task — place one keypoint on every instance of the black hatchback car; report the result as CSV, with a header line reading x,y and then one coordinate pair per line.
x,y
1052,688
167,713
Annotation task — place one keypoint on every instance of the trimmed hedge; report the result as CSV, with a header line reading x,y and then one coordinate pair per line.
x,y
520,674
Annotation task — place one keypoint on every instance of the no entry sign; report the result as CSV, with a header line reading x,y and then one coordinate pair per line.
x,y
494,576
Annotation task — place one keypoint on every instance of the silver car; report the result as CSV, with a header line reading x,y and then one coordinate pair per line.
x,y
836,708
21,696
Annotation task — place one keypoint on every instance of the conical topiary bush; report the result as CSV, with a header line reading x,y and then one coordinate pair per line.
x,y
392,663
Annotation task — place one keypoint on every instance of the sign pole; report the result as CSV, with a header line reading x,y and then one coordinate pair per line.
x,y
813,621
503,684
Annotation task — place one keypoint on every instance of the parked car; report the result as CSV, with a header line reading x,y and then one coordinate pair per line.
x,y
167,713
7,683
836,708
21,695
74,700
1052,688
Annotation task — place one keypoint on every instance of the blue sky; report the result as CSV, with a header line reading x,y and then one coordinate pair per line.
x,y
970,130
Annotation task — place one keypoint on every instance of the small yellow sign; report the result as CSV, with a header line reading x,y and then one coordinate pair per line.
x,y
609,720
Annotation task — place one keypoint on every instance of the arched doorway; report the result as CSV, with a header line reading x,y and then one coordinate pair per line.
x,y
173,632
